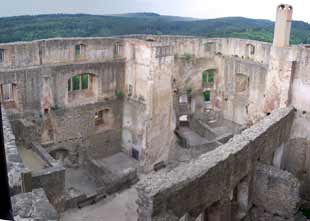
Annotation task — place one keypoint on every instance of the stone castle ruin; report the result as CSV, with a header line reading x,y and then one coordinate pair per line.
x,y
212,129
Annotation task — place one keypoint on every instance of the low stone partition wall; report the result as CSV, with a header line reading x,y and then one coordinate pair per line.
x,y
210,180
52,180
114,173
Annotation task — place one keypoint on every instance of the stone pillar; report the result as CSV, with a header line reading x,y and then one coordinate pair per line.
x,y
283,24
243,197
279,79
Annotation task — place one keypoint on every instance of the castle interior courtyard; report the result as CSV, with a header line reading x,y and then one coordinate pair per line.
x,y
158,128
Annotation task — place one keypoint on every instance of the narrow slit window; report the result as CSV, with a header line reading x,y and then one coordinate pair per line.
x,y
69,85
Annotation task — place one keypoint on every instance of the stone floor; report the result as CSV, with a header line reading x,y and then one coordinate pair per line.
x,y
118,164
79,179
121,207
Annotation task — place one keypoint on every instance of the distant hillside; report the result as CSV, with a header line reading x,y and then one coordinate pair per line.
x,y
26,28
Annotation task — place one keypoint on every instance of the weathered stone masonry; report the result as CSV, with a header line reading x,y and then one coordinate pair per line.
x,y
164,100
214,176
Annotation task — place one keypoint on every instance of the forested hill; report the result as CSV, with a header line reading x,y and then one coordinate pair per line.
x,y
26,28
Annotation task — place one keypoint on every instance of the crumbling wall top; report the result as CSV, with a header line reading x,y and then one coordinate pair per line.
x,y
214,175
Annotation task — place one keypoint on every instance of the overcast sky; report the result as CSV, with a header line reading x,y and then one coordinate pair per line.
x,y
190,8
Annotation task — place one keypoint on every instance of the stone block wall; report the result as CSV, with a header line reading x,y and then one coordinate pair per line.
x,y
276,191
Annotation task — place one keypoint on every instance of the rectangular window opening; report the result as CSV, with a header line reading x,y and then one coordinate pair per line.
x,y
207,96
77,51
135,154
76,82
99,118
1,55
85,79
211,76
7,92
69,85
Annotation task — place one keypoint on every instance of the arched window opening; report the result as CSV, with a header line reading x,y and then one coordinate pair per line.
x,y
208,77
250,50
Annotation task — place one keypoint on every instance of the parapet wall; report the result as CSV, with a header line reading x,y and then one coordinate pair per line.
x,y
213,176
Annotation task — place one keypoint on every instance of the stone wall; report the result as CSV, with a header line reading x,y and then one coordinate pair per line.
x,y
300,86
296,154
52,180
59,50
15,165
213,176
68,125
276,191
143,68
244,107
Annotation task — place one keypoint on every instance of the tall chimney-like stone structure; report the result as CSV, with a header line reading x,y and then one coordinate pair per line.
x,y
281,63
283,25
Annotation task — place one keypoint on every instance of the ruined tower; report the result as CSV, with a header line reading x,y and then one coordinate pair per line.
x,y
283,26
